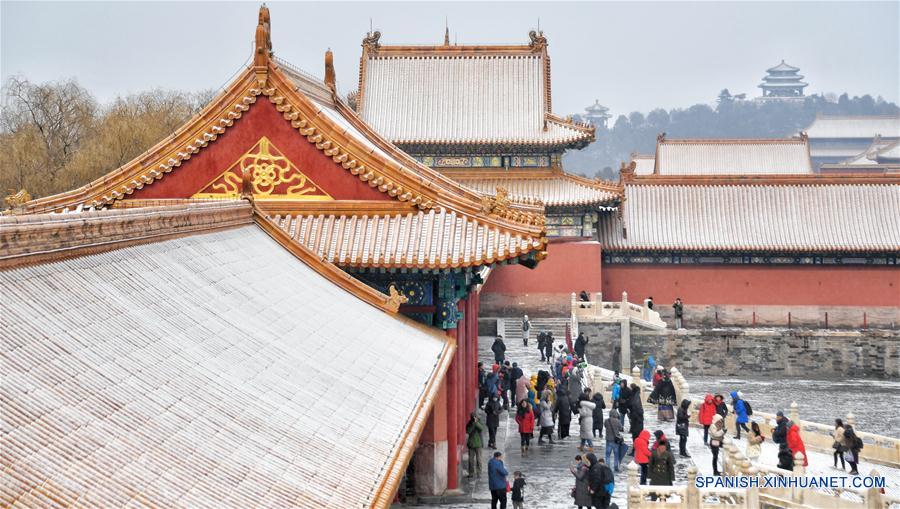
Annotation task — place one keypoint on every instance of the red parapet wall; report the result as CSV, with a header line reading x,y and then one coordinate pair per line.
x,y
546,290
758,285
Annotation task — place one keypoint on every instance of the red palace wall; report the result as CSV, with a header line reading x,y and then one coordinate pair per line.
x,y
262,119
546,290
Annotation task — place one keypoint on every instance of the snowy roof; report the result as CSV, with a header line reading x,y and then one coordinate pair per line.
x,y
782,67
854,127
643,163
409,238
463,94
732,157
208,370
776,217
548,187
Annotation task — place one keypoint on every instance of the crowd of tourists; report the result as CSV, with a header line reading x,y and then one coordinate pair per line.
x,y
547,401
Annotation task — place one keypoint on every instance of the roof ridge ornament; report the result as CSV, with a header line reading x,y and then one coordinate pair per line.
x,y
263,50
370,41
330,79
538,41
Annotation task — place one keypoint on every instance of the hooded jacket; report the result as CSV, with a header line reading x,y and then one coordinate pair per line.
x,y
740,409
497,474
707,410
682,420
613,427
525,420
586,411
715,432
795,443
642,448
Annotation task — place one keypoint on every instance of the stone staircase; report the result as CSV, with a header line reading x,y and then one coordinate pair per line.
x,y
511,328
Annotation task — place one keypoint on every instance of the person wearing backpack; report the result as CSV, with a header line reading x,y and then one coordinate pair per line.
x,y
854,445
599,478
740,413
526,330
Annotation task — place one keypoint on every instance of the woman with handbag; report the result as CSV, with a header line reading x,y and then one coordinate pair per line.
x,y
582,491
716,435
840,443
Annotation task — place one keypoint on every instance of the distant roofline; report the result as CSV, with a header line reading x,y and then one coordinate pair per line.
x,y
761,180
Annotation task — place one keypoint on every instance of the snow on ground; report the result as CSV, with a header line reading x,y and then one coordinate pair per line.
x,y
546,468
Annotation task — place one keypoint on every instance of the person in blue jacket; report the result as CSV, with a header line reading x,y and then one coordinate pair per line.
x,y
497,480
740,413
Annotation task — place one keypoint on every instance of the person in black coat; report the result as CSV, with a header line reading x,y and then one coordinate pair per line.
x,y
599,476
598,414
492,410
580,344
499,349
683,426
564,411
624,400
785,457
514,375
548,348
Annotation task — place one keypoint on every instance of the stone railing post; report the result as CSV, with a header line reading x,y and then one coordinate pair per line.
x,y
636,374
799,471
794,415
752,499
634,489
873,496
691,492
574,301
645,310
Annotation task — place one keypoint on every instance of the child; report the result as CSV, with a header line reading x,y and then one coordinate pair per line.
x,y
518,497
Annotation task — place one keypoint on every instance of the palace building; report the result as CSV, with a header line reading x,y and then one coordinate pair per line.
x,y
482,116
782,82
836,139
271,268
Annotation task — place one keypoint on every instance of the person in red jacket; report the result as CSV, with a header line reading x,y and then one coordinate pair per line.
x,y
525,419
642,453
705,415
795,443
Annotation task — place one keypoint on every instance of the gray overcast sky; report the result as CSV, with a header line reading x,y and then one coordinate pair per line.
x,y
630,56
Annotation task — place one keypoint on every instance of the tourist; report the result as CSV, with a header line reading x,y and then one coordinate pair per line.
x,y
754,441
499,349
600,482
664,397
740,413
648,367
573,382
716,435
785,457
721,407
635,412
515,374
840,444
854,445
492,381
582,491
782,424
650,302
584,297
679,312
525,420
580,344
642,453
661,468
497,480
615,441
586,421
492,411
546,418
521,389
518,490
624,400
705,415
548,347
614,389
683,426
526,330
482,390
657,376
599,405
474,428
795,442
563,411
504,383
541,342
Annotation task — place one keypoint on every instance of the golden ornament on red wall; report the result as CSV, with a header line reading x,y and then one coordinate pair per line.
x,y
274,177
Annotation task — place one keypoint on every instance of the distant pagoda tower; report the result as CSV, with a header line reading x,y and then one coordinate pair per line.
x,y
597,114
782,82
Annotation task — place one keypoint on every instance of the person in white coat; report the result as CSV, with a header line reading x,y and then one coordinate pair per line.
x,y
546,418
586,421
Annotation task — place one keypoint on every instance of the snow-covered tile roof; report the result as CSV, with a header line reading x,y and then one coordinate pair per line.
x,y
420,239
476,97
733,157
806,217
551,189
854,127
213,370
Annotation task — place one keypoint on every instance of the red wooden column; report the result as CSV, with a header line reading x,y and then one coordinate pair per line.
x,y
462,407
452,419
